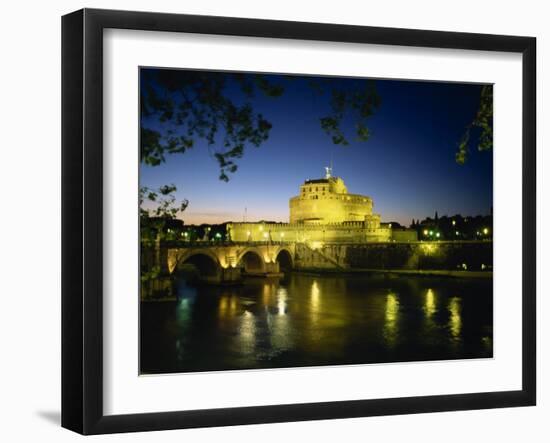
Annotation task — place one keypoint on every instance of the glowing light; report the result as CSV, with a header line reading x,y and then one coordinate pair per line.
x,y
248,233
437,234
457,233
431,232
455,319
454,222
485,231
316,245
261,228
315,295
281,301
392,306
282,234
429,248
391,317
265,234
247,331
429,306
425,232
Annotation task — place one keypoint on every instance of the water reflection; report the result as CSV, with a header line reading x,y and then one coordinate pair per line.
x,y
315,296
247,332
227,306
391,317
429,305
281,301
280,326
455,318
316,320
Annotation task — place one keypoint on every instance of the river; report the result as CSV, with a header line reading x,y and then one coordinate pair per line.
x,y
311,320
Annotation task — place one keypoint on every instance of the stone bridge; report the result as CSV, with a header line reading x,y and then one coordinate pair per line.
x,y
227,262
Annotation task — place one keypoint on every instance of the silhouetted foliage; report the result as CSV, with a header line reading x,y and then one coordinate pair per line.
x,y
483,121
160,213
178,107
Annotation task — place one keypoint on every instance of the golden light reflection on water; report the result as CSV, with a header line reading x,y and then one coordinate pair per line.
x,y
315,296
281,300
310,319
247,331
455,317
314,306
227,306
281,328
222,307
429,304
268,289
266,327
391,319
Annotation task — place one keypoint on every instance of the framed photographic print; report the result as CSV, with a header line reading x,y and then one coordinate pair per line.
x,y
269,221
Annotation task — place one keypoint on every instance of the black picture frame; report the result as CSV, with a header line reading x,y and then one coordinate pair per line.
x,y
82,215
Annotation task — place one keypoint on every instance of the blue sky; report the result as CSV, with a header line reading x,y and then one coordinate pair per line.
x,y
407,166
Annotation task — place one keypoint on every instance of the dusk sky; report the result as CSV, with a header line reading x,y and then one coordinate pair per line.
x,y
407,166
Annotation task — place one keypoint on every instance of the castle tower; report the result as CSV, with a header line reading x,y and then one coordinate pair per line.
x,y
326,200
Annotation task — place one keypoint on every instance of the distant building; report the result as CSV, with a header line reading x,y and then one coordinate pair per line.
x,y
324,211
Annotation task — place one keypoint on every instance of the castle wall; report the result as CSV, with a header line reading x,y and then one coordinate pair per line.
x,y
404,235
352,232
443,256
330,208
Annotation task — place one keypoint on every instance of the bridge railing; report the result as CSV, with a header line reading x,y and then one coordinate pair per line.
x,y
218,243
223,243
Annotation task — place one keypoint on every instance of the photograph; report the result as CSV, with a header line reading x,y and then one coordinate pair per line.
x,y
297,221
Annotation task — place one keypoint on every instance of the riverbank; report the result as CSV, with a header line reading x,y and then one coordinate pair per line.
x,y
402,272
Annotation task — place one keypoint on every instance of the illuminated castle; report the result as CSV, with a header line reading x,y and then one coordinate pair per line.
x,y
323,212
326,200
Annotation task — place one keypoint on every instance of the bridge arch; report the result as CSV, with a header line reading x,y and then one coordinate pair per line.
x,y
206,263
252,260
284,258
